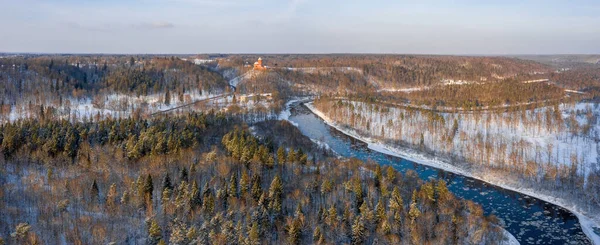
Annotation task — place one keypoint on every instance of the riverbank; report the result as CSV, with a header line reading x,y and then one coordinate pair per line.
x,y
410,154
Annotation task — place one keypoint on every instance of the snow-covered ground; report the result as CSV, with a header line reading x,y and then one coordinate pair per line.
x,y
404,90
562,137
536,81
457,82
114,105
323,69
588,221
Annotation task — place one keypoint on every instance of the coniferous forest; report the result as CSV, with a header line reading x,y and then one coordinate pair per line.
x,y
205,178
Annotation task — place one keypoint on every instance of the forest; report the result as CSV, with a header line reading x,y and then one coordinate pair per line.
x,y
550,149
217,183
197,149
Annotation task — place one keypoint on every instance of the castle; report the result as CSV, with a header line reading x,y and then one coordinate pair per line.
x,y
258,65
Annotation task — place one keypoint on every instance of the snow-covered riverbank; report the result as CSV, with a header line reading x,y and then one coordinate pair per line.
x,y
585,219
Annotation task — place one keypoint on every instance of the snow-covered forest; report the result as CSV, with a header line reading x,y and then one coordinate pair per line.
x,y
553,146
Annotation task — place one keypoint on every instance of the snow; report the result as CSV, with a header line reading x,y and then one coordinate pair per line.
x,y
202,61
587,221
323,69
286,113
405,90
511,240
506,132
404,153
115,105
573,91
536,81
457,82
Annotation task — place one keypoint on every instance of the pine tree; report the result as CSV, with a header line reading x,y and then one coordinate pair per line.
x,y
327,186
167,97
317,235
379,212
110,197
71,144
208,200
390,174
233,186
246,155
125,198
429,191
358,231
178,232
244,182
195,196
332,216
276,194
414,211
396,205
256,190
132,149
281,155
442,190
154,232
147,191
254,234
291,157
301,157
165,198
358,193
294,231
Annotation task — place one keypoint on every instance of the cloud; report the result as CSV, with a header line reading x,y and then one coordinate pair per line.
x,y
87,27
160,25
154,25
107,27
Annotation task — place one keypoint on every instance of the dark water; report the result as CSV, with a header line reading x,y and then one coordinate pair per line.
x,y
530,220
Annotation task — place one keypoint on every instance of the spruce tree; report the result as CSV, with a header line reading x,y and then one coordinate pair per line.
x,y
378,176
95,191
167,182
183,175
148,186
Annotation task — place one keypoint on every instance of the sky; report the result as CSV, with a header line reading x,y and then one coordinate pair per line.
x,y
468,27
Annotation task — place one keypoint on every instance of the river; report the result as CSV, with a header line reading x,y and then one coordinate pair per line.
x,y
530,220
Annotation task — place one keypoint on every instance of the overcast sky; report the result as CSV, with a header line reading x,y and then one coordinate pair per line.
x,y
301,26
